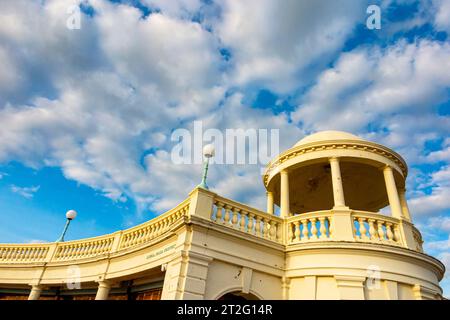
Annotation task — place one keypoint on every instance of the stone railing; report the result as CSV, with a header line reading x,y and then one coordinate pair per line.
x,y
312,226
418,239
374,227
23,253
348,226
328,225
240,217
93,247
82,249
152,229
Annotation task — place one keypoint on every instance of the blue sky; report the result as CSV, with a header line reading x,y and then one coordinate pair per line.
x,y
86,115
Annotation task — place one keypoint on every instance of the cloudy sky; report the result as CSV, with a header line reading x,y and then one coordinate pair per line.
x,y
86,115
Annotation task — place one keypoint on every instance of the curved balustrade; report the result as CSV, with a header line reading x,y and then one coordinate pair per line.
x,y
83,249
373,227
246,219
354,226
23,252
309,227
153,228
92,247
418,239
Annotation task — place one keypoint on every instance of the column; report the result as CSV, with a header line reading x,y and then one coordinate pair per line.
x,y
404,204
338,190
35,292
391,189
269,202
185,277
284,194
103,290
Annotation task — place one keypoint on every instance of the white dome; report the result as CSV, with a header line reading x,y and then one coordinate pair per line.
x,y
326,136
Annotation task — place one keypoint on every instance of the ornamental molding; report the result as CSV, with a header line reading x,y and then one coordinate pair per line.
x,y
335,145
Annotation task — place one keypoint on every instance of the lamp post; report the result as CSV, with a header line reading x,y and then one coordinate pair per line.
x,y
208,152
70,215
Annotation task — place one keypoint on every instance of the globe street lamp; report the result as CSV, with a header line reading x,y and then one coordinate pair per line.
x,y
70,215
208,152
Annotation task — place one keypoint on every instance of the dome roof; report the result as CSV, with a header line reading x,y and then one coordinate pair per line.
x,y
327,135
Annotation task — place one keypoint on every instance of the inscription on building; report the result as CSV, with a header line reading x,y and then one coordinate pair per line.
x,y
159,252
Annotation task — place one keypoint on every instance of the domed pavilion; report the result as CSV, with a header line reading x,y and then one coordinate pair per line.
x,y
337,226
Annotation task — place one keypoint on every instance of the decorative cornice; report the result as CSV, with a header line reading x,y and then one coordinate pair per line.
x,y
336,145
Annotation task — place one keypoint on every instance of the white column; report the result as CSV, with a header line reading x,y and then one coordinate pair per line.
x,y
185,277
35,292
391,189
284,194
103,290
404,204
338,189
269,202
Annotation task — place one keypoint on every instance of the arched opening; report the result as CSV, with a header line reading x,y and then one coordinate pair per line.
x,y
238,296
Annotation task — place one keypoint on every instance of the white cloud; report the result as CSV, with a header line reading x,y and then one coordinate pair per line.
x,y
440,223
153,73
439,246
274,44
240,182
441,249
26,192
366,84
159,73
42,51
440,155
94,101
10,76
179,8
172,55
37,241
386,91
442,17
438,200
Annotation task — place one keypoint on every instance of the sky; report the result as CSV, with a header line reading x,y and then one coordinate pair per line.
x,y
87,114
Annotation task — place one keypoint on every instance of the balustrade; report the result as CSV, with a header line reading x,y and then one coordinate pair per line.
x,y
153,228
23,253
83,249
307,227
312,226
372,227
246,219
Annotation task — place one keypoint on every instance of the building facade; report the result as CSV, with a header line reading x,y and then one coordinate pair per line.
x,y
329,241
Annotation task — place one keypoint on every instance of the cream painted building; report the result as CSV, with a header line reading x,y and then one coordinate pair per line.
x,y
329,242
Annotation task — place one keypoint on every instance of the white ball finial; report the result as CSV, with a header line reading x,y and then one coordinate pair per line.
x,y
209,151
71,214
